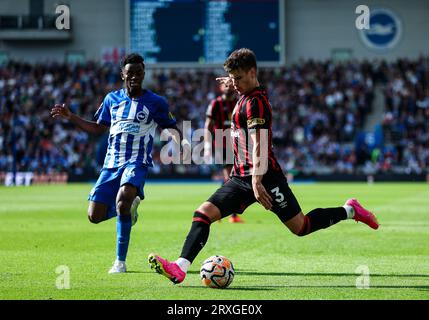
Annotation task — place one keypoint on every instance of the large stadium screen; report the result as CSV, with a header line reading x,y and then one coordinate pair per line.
x,y
204,32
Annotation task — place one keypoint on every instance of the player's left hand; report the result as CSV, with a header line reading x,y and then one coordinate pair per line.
x,y
262,195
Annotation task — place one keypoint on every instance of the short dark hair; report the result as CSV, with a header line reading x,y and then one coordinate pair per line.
x,y
243,58
132,58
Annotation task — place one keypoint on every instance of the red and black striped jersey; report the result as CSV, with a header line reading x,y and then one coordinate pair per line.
x,y
252,111
220,111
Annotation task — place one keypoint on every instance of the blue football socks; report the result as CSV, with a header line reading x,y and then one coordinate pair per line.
x,y
123,230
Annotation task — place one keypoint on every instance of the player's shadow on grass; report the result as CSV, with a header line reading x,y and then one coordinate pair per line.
x,y
318,274
265,288
240,288
348,286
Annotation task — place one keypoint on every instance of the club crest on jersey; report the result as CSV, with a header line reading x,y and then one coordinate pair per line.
x,y
142,115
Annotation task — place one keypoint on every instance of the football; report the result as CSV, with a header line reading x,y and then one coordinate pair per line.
x,y
217,272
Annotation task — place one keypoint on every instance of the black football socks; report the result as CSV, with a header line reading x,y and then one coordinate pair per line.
x,y
197,236
322,218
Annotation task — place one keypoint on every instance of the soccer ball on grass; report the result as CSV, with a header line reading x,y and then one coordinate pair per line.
x,y
217,272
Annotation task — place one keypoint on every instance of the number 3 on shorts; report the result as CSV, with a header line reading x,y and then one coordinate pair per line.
x,y
279,196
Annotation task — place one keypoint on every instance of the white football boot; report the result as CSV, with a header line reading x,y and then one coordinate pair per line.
x,y
118,267
133,210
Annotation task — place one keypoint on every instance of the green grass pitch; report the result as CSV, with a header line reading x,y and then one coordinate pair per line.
x,y
44,227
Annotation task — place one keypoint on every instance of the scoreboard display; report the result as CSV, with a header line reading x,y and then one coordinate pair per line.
x,y
203,32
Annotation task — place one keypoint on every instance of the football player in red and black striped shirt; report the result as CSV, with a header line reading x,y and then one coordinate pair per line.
x,y
218,117
256,175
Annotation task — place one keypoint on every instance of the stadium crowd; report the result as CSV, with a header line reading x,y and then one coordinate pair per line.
x,y
319,107
406,117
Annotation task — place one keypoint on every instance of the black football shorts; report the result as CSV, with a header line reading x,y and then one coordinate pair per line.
x,y
237,194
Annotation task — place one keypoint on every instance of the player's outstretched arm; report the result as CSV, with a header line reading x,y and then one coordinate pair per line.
x,y
61,111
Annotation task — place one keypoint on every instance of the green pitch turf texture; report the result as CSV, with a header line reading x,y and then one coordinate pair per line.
x,y
44,227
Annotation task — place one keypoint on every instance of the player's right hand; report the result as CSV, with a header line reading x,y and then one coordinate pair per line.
x,y
60,110
262,195
227,81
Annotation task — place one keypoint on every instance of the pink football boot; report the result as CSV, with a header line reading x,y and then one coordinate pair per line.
x,y
168,269
362,214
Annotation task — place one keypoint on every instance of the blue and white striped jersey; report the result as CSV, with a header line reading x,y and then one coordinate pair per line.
x,y
133,125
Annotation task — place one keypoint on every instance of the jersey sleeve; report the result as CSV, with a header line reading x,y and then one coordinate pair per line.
x,y
211,109
163,117
258,114
102,116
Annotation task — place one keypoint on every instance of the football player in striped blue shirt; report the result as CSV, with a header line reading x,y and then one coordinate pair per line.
x,y
131,115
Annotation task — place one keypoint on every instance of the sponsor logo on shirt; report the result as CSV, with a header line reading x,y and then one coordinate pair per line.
x,y
128,127
255,121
